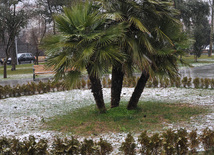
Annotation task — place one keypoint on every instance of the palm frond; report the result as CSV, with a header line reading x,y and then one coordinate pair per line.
x,y
138,24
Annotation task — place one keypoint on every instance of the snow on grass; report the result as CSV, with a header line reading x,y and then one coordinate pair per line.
x,y
24,116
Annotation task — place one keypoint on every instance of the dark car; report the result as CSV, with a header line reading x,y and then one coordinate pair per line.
x,y
1,61
23,57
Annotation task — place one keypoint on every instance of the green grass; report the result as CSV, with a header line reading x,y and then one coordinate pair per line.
x,y
20,69
190,59
149,116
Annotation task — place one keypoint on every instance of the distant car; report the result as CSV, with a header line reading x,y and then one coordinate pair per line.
x,y
1,61
23,57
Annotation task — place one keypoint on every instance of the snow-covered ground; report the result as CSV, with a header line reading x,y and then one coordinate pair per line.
x,y
24,116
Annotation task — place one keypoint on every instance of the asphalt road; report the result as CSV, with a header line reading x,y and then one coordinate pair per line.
x,y
206,71
22,81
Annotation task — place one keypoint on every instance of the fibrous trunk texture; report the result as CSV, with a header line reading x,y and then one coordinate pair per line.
x,y
96,89
138,90
116,85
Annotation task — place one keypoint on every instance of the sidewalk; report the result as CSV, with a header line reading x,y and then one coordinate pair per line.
x,y
23,81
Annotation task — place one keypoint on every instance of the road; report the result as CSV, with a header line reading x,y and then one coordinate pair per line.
x,y
206,71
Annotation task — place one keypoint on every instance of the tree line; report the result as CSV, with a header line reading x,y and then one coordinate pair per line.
x,y
108,35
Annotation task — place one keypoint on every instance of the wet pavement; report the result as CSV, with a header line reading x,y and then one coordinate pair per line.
x,y
206,71
23,81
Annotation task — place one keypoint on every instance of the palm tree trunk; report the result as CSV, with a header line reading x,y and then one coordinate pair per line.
x,y
96,89
116,85
138,90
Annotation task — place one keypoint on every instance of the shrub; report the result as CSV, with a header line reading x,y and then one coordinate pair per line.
x,y
169,140
83,82
172,82
206,83
212,83
125,82
14,91
66,146
128,147
162,84
155,82
194,141
32,88
18,90
5,146
8,91
207,139
88,147
88,84
166,82
189,82
58,85
202,83
78,85
196,82
24,89
144,139
53,86
156,144
134,82
178,82
149,83
150,145
184,82
30,146
130,80
48,86
105,147
109,83
2,92
40,87
182,142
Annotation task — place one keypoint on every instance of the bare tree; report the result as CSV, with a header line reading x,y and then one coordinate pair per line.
x,y
211,30
12,20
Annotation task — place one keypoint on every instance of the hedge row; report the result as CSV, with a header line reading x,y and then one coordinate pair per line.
x,y
35,88
170,142
52,86
185,82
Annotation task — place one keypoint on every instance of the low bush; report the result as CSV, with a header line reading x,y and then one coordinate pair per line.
x,y
129,147
170,142
196,83
52,86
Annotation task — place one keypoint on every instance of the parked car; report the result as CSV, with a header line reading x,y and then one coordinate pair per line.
x,y
23,57
1,61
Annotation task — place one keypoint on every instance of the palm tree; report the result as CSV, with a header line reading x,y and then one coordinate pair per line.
x,y
148,34
84,42
124,11
165,40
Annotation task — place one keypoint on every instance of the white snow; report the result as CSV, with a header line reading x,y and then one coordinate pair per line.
x,y
24,116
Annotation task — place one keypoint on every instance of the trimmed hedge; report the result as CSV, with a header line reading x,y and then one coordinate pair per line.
x,y
166,143
52,86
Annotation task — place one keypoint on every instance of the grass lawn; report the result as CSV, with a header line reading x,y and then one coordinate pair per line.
x,y
20,69
202,59
149,116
